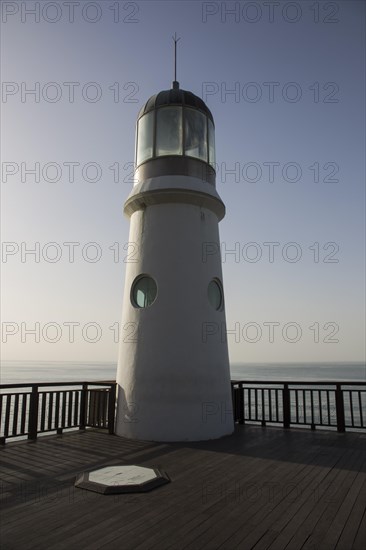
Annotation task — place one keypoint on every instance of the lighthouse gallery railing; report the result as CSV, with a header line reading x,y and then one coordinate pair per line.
x,y
27,410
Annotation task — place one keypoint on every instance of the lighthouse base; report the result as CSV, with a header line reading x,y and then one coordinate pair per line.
x,y
209,418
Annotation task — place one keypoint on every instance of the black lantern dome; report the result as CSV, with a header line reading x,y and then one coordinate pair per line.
x,y
175,96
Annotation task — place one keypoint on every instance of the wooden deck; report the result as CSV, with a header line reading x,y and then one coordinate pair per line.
x,y
260,488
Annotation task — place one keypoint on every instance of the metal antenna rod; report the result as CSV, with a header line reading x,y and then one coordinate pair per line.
x,y
175,55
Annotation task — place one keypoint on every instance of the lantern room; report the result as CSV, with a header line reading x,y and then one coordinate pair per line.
x,y
175,135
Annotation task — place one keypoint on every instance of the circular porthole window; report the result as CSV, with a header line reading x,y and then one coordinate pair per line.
x,y
144,291
215,294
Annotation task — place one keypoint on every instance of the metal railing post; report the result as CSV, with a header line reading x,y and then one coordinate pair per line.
x,y
111,408
286,406
33,414
241,403
341,424
83,402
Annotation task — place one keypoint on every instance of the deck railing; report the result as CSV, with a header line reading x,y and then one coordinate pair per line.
x,y
340,405
27,410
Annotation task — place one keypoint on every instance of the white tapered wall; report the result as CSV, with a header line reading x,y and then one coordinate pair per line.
x,y
173,374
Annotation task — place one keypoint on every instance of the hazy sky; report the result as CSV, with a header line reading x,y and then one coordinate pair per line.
x,y
285,83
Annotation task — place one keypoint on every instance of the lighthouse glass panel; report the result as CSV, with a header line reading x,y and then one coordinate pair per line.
x,y
169,131
195,131
144,292
145,138
211,144
215,296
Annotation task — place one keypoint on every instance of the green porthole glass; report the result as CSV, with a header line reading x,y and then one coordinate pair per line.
x,y
215,294
144,291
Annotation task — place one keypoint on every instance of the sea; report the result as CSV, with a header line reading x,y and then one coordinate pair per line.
x,y
21,372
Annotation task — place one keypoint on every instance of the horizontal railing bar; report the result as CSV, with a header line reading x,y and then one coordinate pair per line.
x,y
51,384
297,383
256,382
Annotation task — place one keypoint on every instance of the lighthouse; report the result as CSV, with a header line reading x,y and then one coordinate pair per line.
x,y
173,374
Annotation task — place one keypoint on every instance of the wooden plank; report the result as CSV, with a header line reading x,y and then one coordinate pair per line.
x,y
87,463
359,541
201,508
86,498
274,509
351,527
342,516
262,527
204,525
331,492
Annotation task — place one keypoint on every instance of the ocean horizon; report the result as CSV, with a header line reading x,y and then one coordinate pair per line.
x,y
19,372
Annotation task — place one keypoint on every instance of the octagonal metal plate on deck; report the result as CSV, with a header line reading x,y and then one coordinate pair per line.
x,y
113,480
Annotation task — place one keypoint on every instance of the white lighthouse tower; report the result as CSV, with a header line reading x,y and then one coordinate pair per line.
x,y
173,372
